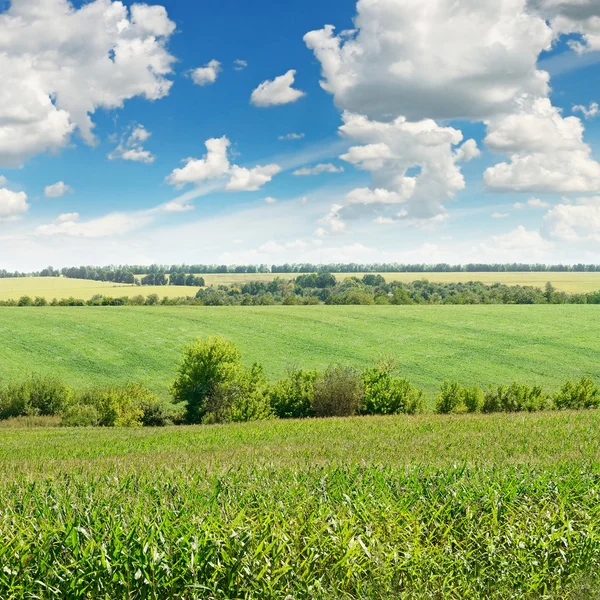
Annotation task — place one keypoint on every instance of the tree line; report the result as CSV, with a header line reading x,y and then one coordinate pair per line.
x,y
128,273
324,288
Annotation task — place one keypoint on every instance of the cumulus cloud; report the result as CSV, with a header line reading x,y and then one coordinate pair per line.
x,y
131,146
574,222
519,242
278,91
573,17
215,165
12,204
57,190
589,112
270,200
207,74
412,164
251,180
60,64
239,65
547,151
3,181
438,59
318,170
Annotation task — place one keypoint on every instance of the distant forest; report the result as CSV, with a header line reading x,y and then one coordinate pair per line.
x,y
191,274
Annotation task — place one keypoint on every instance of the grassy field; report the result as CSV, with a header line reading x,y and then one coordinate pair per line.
x,y
475,344
60,287
502,506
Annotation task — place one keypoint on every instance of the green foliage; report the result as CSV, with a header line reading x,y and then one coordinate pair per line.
x,y
242,396
80,415
516,397
578,395
385,394
473,398
117,406
451,398
35,396
338,392
206,364
293,397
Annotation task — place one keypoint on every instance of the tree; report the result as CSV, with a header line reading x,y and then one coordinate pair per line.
x,y
206,364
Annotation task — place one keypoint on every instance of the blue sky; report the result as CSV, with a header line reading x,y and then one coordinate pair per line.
x,y
441,133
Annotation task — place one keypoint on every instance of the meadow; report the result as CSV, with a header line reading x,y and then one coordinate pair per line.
x,y
61,287
490,344
498,506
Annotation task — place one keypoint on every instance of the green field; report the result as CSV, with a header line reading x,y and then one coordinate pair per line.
x,y
538,344
60,287
501,506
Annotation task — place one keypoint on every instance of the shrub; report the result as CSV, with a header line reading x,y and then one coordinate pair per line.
x,y
385,394
339,392
292,398
156,412
36,396
516,397
117,406
577,395
80,415
474,399
451,398
206,364
241,397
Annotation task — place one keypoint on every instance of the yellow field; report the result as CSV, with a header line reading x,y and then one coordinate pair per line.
x,y
60,287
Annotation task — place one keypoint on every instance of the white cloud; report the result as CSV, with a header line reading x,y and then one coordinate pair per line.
x,y
291,136
207,74
57,190
521,242
574,222
532,203
319,169
239,65
131,146
60,64
66,217
438,59
547,151
115,224
213,165
499,215
278,91
12,204
573,16
251,180
270,200
412,164
588,112
468,151
3,181
175,207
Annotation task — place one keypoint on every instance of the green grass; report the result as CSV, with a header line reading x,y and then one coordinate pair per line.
x,y
475,344
501,506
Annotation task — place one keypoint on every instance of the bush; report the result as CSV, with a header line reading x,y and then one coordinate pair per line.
x,y
117,406
205,365
389,395
474,399
578,395
239,398
516,397
80,415
451,398
36,396
339,392
292,398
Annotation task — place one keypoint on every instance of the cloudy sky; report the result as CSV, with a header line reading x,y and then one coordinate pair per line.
x,y
231,131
